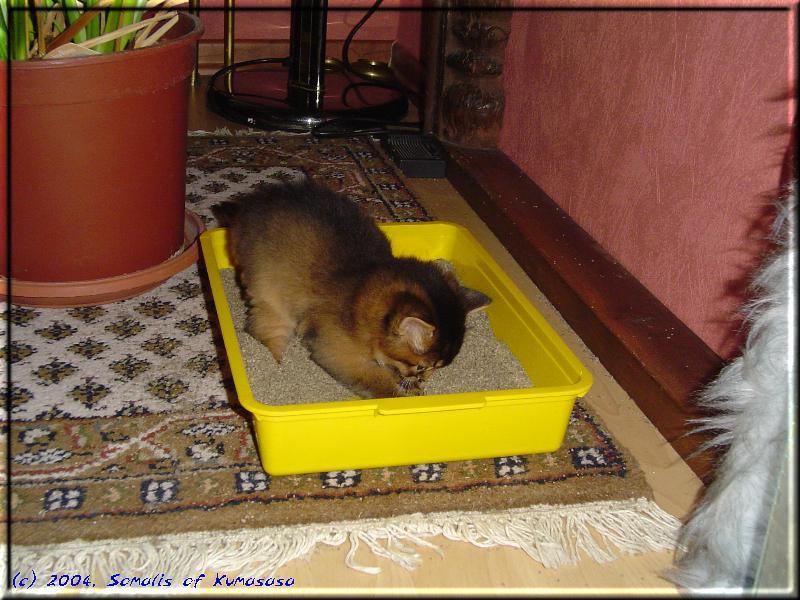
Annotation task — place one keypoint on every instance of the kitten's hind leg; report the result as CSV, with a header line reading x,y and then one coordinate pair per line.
x,y
270,326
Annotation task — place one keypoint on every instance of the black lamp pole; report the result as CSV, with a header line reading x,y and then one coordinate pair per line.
x,y
306,87
300,92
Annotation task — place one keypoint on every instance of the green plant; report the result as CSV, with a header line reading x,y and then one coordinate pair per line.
x,y
36,28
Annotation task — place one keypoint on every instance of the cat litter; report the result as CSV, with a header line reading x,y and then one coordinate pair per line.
x,y
482,405
484,363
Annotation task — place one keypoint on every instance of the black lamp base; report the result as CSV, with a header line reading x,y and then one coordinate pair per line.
x,y
257,93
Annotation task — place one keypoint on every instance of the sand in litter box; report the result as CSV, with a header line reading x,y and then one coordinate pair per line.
x,y
484,363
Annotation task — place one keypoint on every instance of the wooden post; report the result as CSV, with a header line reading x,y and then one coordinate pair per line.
x,y
472,99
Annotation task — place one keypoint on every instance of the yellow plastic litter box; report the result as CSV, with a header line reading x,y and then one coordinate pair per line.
x,y
358,433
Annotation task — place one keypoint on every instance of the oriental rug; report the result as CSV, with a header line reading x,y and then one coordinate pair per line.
x,y
129,451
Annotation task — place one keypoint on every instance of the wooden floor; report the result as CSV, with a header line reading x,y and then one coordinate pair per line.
x,y
468,569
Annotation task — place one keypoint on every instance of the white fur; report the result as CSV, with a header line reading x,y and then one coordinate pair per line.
x,y
722,541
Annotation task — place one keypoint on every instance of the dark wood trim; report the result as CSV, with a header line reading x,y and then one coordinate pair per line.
x,y
657,359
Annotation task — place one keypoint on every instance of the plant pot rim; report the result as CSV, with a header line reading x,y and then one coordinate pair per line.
x,y
162,46
68,294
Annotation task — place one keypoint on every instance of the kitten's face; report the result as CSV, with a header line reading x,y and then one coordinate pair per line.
x,y
410,369
413,366
416,344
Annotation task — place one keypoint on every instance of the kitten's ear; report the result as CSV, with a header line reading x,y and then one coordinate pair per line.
x,y
473,299
446,268
417,333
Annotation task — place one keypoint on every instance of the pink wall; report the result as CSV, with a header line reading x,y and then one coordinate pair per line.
x,y
274,25
659,133
409,28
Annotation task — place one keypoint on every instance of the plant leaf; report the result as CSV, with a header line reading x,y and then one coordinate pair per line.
x,y
69,50
72,12
129,28
111,24
18,30
161,31
68,34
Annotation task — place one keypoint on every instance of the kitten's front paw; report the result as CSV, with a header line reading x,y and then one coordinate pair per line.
x,y
411,386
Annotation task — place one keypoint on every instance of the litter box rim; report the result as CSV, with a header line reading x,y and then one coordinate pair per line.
x,y
214,246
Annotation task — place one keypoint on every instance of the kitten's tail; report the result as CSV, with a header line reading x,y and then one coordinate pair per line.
x,y
226,212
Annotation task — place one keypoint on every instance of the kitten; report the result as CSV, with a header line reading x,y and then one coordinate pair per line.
x,y
312,264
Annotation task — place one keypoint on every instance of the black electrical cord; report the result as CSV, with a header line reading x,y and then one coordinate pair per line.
x,y
230,68
339,126
353,126
348,68
348,40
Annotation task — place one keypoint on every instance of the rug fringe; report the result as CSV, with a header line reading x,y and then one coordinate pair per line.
x,y
224,131
552,535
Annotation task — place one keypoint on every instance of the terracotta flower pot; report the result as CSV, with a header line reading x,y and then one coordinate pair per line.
x,y
98,167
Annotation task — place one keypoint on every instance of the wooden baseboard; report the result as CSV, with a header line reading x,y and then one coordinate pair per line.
x,y
657,359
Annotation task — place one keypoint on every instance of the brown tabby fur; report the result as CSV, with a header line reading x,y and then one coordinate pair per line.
x,y
312,264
